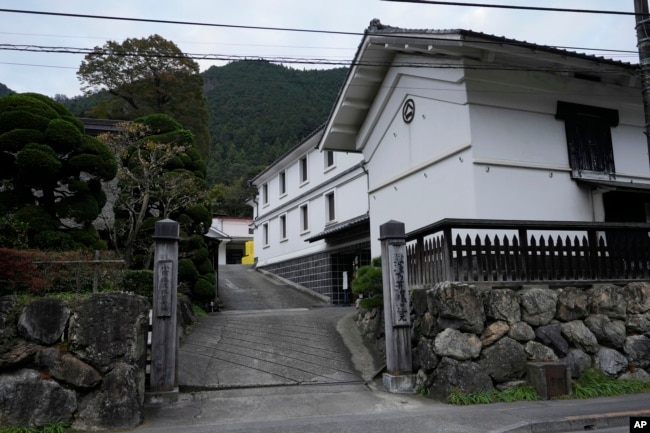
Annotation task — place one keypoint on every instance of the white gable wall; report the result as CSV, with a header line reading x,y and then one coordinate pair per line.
x,y
486,145
418,172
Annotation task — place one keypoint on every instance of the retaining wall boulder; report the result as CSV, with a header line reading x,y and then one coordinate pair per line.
x,y
29,399
606,327
75,361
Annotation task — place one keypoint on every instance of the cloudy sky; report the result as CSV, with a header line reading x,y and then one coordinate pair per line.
x,y
55,73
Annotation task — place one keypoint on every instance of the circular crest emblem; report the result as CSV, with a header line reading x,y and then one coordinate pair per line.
x,y
408,111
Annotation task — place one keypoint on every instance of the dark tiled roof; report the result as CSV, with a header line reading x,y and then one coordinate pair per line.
x,y
335,229
376,28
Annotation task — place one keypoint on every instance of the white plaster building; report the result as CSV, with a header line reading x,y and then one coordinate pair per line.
x,y
459,124
311,217
230,235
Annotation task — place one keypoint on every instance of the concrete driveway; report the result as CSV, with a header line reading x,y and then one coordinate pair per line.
x,y
269,333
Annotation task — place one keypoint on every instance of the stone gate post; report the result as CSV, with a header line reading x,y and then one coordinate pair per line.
x,y
397,309
164,340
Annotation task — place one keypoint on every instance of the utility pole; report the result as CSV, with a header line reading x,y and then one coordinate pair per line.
x,y
643,43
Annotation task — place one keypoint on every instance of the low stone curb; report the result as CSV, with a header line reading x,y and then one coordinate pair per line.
x,y
577,423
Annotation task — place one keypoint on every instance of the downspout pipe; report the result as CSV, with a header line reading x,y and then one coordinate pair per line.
x,y
643,44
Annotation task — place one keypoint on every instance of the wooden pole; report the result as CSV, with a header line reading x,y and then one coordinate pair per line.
x,y
96,273
397,308
164,341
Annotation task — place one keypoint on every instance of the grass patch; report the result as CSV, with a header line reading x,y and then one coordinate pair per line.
x,y
55,427
594,383
521,393
198,311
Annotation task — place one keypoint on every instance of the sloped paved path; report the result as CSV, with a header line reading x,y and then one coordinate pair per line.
x,y
267,334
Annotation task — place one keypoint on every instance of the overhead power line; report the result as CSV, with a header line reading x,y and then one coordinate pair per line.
x,y
295,60
191,23
185,23
501,6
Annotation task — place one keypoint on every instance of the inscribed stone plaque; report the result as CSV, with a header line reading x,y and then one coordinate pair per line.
x,y
400,301
164,289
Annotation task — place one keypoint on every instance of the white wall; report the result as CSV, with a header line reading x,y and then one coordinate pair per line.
x,y
348,183
486,144
233,227
419,172
520,151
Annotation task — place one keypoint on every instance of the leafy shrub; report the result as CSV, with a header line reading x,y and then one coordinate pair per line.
x,y
160,123
18,273
210,277
139,282
203,290
41,272
13,233
187,271
54,240
368,280
204,267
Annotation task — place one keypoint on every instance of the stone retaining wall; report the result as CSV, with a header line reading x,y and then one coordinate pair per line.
x,y
81,362
476,339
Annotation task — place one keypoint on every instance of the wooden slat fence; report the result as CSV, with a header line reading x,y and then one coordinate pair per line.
x,y
525,251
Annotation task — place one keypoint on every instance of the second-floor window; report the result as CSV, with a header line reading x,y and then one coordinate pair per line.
x,y
304,175
330,207
282,178
329,159
304,218
589,137
265,193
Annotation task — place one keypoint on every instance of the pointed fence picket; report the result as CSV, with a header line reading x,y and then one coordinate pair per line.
x,y
514,252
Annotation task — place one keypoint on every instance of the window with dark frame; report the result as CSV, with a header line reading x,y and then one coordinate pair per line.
x,y
304,218
282,177
265,193
265,234
589,137
304,175
330,207
283,227
329,159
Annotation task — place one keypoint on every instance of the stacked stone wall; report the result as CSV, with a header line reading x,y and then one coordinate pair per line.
x,y
80,362
478,339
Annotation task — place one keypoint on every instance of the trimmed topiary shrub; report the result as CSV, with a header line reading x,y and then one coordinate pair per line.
x,y
187,271
203,290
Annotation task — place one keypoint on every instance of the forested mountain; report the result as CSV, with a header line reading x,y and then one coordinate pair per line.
x,y
259,110
4,90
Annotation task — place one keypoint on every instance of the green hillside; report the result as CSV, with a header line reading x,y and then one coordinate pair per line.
x,y
4,90
259,110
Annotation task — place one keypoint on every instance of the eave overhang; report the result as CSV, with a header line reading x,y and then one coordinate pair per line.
x,y
381,44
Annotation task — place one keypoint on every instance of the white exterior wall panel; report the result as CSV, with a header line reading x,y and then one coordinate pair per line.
x,y
421,171
350,195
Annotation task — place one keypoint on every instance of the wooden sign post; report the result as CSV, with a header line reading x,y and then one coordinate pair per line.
x,y
163,378
397,309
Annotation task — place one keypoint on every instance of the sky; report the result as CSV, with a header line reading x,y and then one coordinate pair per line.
x,y
55,73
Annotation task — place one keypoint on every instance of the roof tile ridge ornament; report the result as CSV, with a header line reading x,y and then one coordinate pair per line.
x,y
376,26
